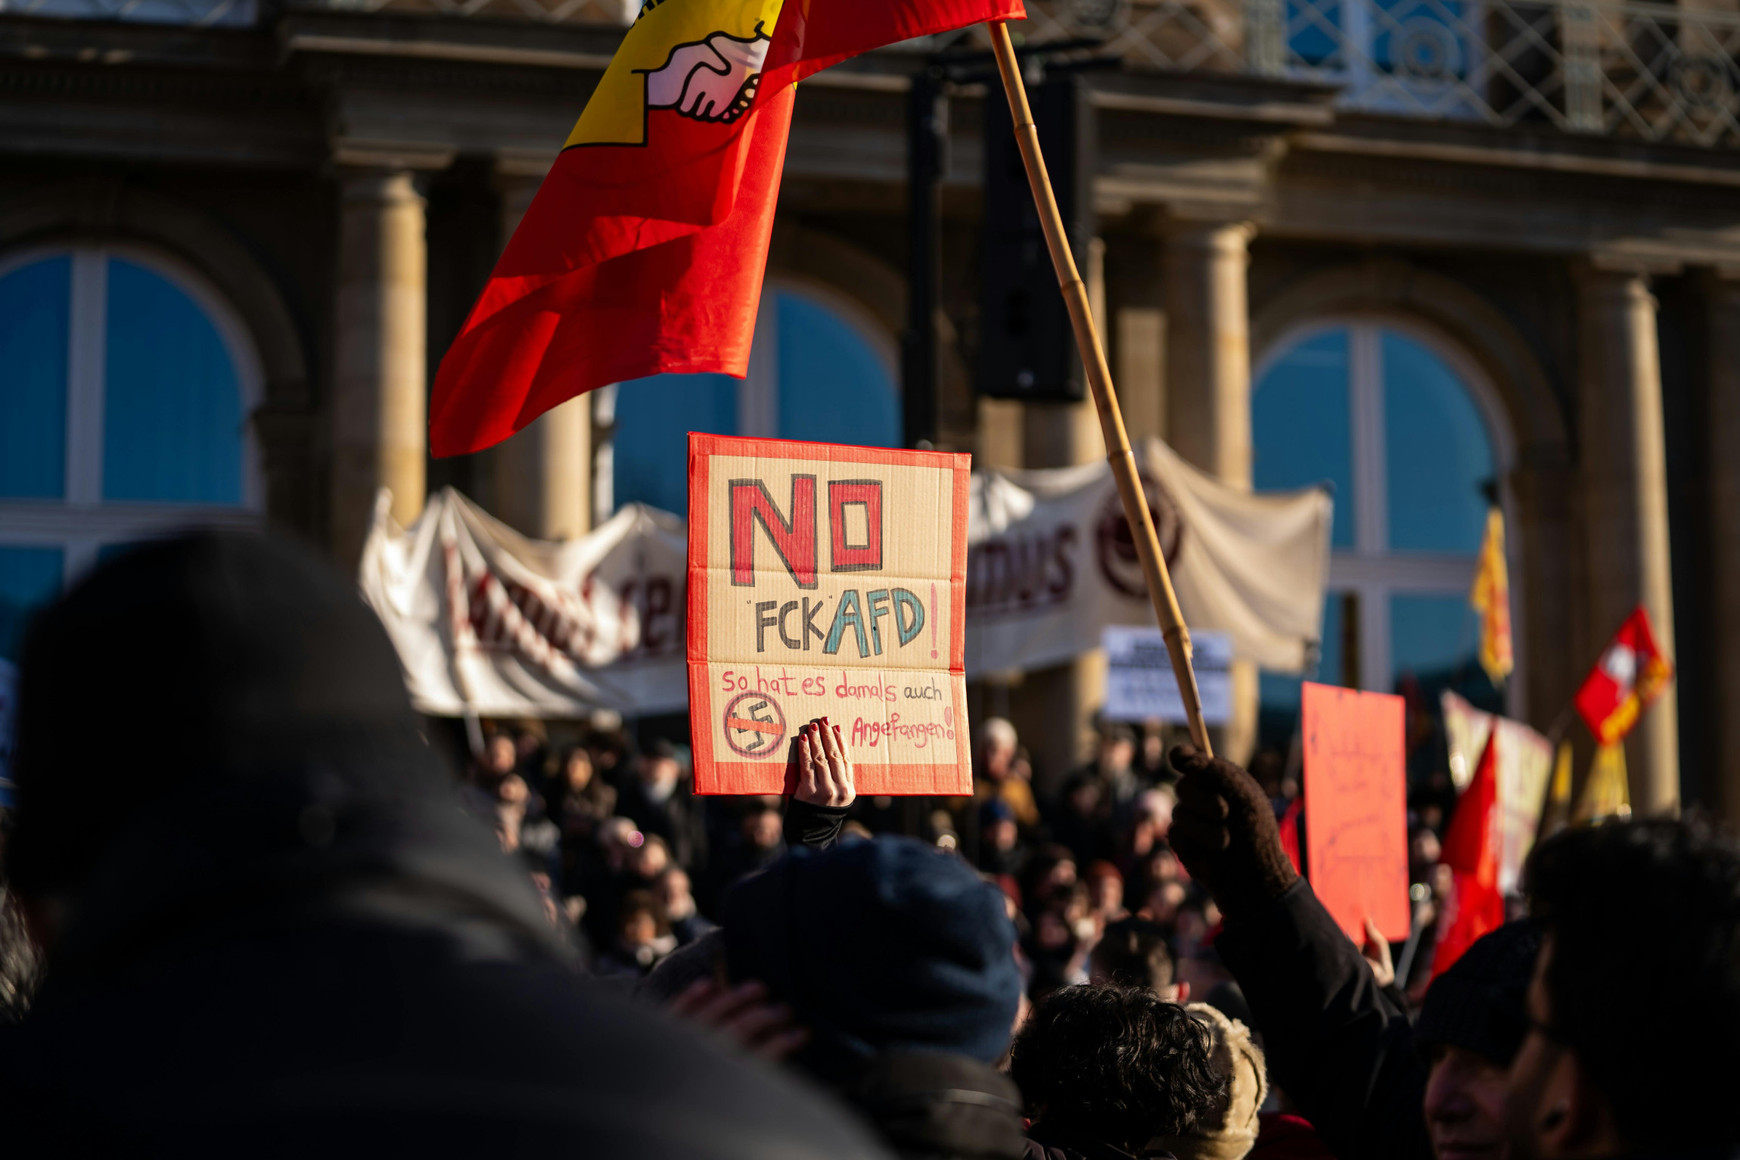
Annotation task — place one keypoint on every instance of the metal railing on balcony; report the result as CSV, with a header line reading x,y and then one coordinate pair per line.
x,y
1658,72
1649,71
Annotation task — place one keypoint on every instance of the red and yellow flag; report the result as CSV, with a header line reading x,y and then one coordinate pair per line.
x,y
644,249
1630,675
1490,597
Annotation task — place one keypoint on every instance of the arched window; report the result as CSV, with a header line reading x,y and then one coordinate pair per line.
x,y
126,392
1403,428
820,370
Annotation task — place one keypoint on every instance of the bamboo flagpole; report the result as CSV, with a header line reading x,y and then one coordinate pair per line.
x,y
1099,376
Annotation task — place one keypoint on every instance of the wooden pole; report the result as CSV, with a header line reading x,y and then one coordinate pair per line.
x,y
1099,377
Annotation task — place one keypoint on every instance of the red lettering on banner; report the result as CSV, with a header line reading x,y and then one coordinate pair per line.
x,y
794,538
849,557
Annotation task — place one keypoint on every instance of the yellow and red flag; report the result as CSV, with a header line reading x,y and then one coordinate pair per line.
x,y
1490,597
644,249
1630,675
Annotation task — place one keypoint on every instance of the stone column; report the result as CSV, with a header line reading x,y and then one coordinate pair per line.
x,y
1208,390
1208,348
543,474
1624,493
380,383
1054,708
1722,295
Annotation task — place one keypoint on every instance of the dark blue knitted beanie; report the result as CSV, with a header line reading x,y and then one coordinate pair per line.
x,y
880,945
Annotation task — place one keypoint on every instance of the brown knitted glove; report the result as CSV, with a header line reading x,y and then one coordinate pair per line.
x,y
1224,831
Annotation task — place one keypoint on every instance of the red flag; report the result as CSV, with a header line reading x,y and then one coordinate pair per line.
x,y
1290,833
644,249
1471,850
1629,676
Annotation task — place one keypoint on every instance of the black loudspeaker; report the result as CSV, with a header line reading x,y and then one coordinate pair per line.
x,y
1026,347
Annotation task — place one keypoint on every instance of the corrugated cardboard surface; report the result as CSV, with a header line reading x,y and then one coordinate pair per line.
x,y
871,638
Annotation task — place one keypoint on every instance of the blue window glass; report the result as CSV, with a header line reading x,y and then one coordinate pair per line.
x,y
29,578
35,309
1315,30
1301,431
650,451
1437,450
173,422
1278,693
1419,39
832,386
1433,643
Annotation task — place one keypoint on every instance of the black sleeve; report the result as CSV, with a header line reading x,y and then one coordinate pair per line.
x,y
1340,1047
811,825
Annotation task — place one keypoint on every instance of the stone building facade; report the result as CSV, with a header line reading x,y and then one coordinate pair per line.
x,y
1539,203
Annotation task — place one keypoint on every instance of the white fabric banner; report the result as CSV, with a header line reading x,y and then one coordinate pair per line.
x,y
489,622
1052,562
1525,763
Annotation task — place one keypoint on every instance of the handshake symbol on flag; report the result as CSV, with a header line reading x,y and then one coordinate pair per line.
x,y
710,80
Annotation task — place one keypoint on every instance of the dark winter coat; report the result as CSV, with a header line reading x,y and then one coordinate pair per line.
x,y
293,941
1337,1044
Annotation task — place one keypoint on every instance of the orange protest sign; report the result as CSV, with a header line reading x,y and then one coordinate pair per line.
x,y
827,581
1356,824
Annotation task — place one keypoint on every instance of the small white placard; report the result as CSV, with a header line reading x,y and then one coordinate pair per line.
x,y
1139,681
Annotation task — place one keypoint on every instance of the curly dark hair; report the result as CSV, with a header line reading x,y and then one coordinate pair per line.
x,y
1115,1064
1591,888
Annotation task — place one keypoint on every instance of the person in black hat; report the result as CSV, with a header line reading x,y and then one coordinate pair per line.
x,y
291,940
1375,1087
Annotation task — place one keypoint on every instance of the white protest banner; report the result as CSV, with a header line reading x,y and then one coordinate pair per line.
x,y
827,581
1525,763
1052,562
1139,681
491,623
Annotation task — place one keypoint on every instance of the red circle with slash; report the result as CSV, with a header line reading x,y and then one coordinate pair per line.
x,y
754,725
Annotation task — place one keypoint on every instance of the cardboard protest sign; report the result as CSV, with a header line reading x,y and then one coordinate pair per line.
x,y
827,581
1356,826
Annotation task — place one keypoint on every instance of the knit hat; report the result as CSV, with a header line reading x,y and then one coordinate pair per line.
x,y
1479,1003
879,945
1229,1130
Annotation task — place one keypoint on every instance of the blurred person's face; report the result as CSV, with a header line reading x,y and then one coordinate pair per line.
x,y
675,895
1116,754
1465,1106
1551,1107
1004,834
1107,894
1425,849
639,928
660,771
513,790
527,746
1153,750
578,771
1163,866
650,860
501,755
764,830
1163,904
1062,876
999,755
1021,770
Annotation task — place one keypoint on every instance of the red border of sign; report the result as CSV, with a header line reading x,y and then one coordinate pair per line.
x,y
736,777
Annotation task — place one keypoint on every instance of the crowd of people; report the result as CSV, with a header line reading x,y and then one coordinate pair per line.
x,y
633,864
308,933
